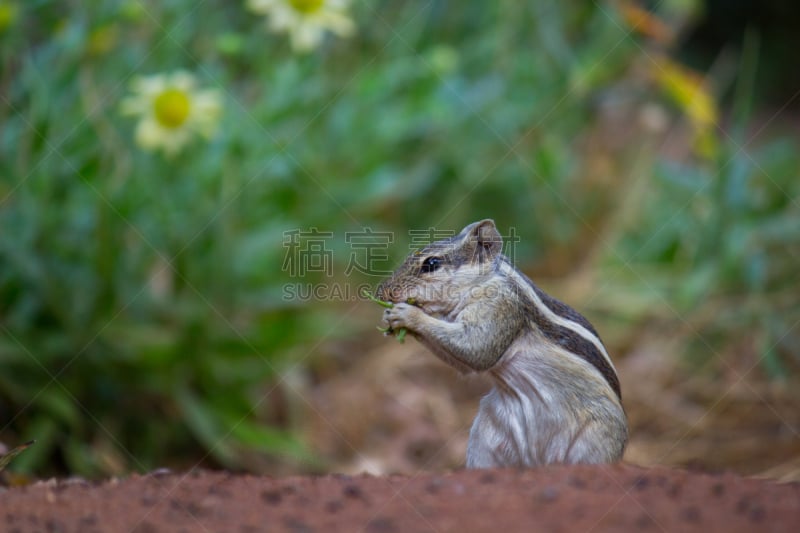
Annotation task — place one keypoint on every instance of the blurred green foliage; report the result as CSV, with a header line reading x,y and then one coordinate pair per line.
x,y
716,248
141,317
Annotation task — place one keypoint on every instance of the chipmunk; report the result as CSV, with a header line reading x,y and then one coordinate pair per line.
x,y
556,395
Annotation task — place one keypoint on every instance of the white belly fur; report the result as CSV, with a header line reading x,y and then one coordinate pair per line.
x,y
547,407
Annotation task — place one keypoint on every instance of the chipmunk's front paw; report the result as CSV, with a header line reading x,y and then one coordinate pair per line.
x,y
402,315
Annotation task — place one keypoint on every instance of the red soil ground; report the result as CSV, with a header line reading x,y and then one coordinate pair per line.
x,y
582,498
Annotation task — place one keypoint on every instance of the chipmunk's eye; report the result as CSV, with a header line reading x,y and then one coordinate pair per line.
x,y
430,264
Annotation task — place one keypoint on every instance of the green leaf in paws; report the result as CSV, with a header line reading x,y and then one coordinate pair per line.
x,y
365,293
400,335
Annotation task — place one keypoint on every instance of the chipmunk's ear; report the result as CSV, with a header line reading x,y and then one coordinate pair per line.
x,y
485,239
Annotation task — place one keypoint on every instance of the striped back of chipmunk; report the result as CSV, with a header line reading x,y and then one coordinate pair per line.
x,y
561,324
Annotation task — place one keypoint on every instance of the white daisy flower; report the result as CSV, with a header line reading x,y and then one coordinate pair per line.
x,y
172,110
306,21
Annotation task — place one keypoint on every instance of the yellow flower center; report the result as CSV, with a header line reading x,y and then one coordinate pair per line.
x,y
172,108
306,6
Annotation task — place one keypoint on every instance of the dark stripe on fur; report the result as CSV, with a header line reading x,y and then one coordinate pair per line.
x,y
563,310
567,338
